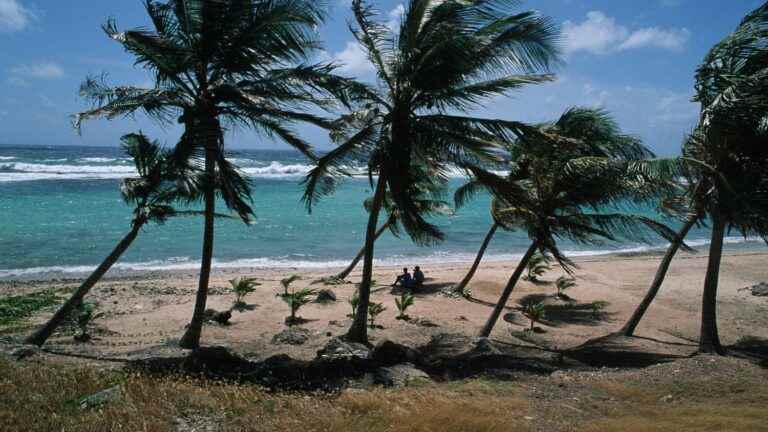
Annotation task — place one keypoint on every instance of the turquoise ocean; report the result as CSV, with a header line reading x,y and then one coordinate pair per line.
x,y
61,213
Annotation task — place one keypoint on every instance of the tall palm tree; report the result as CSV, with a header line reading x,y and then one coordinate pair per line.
x,y
730,147
443,58
219,62
461,287
560,185
151,194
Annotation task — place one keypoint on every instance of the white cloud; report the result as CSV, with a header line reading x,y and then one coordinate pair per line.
x,y
14,16
353,59
395,17
44,70
600,34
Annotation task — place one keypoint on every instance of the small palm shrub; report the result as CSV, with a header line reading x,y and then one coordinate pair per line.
x,y
534,312
86,314
563,284
295,300
403,302
374,309
243,286
353,302
537,266
286,282
598,307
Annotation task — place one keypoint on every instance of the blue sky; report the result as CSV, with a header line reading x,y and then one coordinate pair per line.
x,y
634,58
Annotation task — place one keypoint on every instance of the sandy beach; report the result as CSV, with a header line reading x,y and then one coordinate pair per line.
x,y
145,314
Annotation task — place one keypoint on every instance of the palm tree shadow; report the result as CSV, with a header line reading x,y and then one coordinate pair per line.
x,y
559,314
753,348
620,351
487,303
422,291
244,307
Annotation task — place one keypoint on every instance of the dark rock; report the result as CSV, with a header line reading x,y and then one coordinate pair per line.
x,y
390,353
212,315
760,290
103,397
325,296
337,348
291,336
399,375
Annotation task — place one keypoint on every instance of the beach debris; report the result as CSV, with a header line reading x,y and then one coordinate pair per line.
x,y
212,315
110,395
400,375
325,296
291,336
340,349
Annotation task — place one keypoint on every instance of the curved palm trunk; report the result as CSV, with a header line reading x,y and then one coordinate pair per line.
x,y
43,333
361,254
191,338
661,273
358,332
709,341
462,286
488,327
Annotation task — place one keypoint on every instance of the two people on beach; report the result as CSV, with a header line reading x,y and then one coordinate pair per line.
x,y
405,280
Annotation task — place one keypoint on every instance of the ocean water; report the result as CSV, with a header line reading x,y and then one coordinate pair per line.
x,y
61,213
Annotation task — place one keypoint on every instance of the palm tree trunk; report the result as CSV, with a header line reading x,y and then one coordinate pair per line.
x,y
358,332
191,338
709,341
461,287
43,333
661,273
361,254
488,327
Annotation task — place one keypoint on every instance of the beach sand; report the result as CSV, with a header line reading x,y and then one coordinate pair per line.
x,y
145,314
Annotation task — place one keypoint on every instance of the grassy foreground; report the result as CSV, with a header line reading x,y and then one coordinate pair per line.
x,y
37,396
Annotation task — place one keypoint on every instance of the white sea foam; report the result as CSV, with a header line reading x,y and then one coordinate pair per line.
x,y
7,158
186,263
100,159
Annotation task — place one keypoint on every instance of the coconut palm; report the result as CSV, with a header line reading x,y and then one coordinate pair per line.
x,y
218,63
730,147
443,58
593,129
428,201
678,206
560,185
151,194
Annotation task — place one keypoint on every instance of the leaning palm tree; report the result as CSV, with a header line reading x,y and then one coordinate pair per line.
x,y
680,207
151,194
443,58
218,62
593,129
560,185
427,201
730,148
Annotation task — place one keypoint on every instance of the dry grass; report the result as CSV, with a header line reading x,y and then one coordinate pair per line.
x,y
39,397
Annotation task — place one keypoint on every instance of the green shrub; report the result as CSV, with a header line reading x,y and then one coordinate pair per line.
x,y
534,312
374,309
405,301
243,286
536,267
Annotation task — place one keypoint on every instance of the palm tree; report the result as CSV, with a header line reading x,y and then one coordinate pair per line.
x,y
461,287
216,62
150,193
730,148
443,58
689,218
560,184
429,202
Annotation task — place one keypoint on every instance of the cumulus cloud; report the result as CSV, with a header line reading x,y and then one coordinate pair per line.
x,y
600,34
353,59
44,70
14,16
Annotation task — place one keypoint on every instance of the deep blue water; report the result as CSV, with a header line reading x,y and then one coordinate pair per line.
x,y
60,211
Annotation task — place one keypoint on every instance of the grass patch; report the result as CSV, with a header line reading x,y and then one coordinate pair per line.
x,y
15,309
41,397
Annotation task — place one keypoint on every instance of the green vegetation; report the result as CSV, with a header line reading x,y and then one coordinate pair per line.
x,y
535,312
405,301
14,309
295,299
242,286
537,266
374,310
563,284
354,302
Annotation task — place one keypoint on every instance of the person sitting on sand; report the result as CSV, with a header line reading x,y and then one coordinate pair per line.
x,y
405,280
418,277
